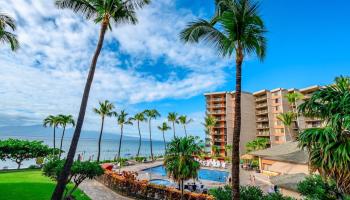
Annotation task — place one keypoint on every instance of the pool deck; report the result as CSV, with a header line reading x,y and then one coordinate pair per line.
x,y
244,175
143,175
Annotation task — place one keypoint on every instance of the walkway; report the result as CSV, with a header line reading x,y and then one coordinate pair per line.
x,y
97,191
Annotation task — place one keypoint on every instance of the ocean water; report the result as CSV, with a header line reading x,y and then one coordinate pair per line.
x,y
88,148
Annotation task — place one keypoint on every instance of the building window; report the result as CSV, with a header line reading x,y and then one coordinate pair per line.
x,y
276,100
277,108
277,138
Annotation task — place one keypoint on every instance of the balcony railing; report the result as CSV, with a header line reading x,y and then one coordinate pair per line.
x,y
260,98
262,127
263,133
262,119
261,112
261,105
216,112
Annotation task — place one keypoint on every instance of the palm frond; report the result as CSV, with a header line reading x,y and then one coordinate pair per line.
x,y
85,7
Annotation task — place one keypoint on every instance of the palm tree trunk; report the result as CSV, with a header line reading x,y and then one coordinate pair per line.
x,y
63,177
174,128
150,137
54,140
236,127
100,139
64,129
185,130
164,143
182,189
120,145
138,127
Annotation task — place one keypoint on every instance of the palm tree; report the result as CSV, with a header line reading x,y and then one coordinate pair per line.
x,y
228,148
209,124
151,114
64,120
7,22
184,121
105,110
179,162
293,99
139,117
164,127
287,119
122,120
172,117
215,150
235,27
257,144
329,146
105,13
52,121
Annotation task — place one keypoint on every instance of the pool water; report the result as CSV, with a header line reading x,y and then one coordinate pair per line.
x,y
203,174
161,182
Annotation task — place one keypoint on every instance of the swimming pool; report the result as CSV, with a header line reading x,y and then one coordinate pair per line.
x,y
203,174
161,182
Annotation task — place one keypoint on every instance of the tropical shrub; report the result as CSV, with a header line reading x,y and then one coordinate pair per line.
x,y
80,171
329,146
140,159
314,187
127,185
20,150
257,144
246,193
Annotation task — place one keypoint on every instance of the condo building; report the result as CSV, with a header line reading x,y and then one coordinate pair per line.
x,y
221,106
260,111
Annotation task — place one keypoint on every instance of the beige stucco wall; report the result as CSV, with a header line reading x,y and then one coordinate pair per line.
x,y
285,167
248,125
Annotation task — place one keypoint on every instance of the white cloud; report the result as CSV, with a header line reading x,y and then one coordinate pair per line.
x,y
47,75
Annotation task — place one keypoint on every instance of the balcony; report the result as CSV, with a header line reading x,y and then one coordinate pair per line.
x,y
220,126
218,140
261,98
216,99
263,133
262,127
261,112
214,112
264,119
220,119
216,105
261,105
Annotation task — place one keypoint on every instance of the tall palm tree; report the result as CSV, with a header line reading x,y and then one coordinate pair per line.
x,y
184,121
64,120
139,117
235,27
329,146
105,13
105,110
151,114
179,162
7,24
164,127
172,117
52,121
287,119
122,120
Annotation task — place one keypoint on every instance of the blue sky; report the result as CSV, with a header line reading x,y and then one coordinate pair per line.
x,y
146,66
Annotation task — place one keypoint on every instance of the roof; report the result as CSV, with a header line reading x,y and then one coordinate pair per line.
x,y
288,181
287,152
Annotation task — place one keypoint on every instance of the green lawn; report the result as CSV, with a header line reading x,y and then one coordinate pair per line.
x,y
29,185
